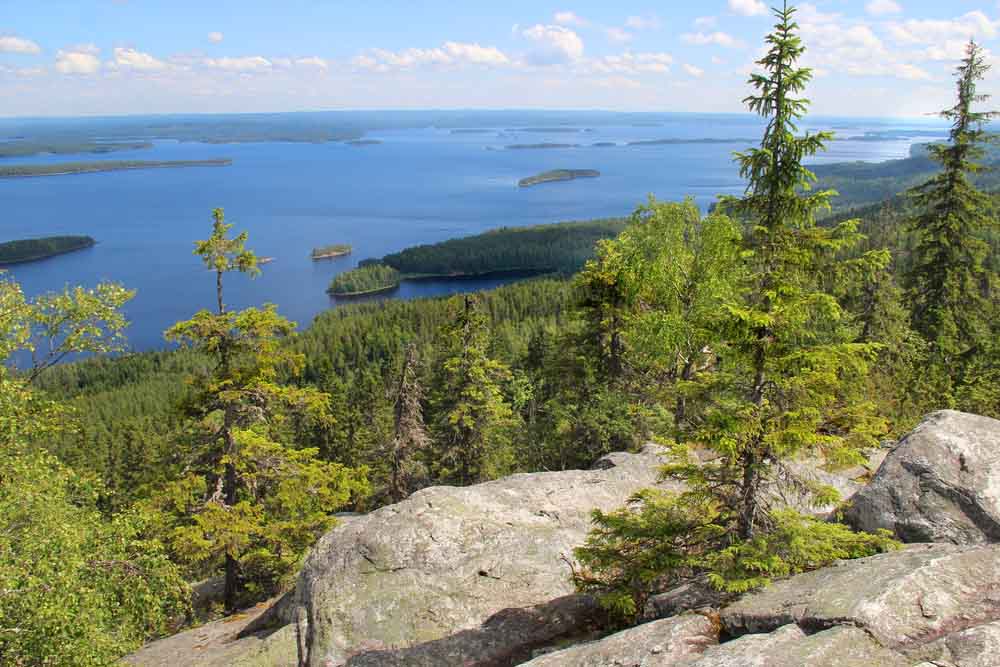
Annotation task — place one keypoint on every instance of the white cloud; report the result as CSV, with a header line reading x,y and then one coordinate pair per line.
x,y
617,83
617,35
930,31
569,18
14,44
215,37
450,53
719,38
696,72
137,60
883,7
705,22
633,63
643,22
716,60
312,61
476,54
808,13
554,45
80,59
748,7
242,64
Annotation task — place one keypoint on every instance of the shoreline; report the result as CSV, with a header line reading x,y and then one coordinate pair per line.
x,y
98,168
379,290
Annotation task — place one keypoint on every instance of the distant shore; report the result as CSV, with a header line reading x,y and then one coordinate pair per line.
x,y
73,168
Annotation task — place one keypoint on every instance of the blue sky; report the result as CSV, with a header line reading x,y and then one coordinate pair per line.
x,y
81,57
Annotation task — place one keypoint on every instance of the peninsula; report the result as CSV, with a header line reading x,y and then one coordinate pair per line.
x,y
30,250
331,251
71,168
556,175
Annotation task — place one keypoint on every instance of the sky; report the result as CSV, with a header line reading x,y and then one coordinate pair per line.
x,y
108,57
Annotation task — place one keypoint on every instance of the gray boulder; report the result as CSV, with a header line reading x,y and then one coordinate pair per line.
x,y
940,484
904,599
673,641
789,646
446,559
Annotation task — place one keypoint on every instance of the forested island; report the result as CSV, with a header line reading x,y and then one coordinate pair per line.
x,y
556,175
363,142
331,251
368,279
72,168
30,250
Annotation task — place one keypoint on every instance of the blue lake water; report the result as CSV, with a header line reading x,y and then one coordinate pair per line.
x,y
417,186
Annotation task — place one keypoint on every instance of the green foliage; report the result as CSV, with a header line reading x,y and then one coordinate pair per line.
x,y
662,539
26,250
76,588
366,279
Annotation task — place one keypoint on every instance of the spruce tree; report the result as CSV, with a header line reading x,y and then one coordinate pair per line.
x,y
782,390
250,498
473,417
948,284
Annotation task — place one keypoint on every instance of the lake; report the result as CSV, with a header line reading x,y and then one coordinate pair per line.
x,y
418,185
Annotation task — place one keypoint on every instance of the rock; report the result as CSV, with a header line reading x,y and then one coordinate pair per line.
x,y
940,484
974,647
789,646
445,560
668,642
510,637
904,599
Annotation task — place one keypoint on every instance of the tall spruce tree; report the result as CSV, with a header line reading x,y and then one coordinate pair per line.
x,y
251,499
782,390
948,283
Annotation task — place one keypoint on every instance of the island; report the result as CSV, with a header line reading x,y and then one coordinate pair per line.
x,y
521,147
365,280
363,142
556,175
331,251
31,250
71,168
21,147
704,140
604,144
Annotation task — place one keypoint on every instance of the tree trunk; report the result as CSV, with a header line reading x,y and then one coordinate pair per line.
x,y
753,455
229,491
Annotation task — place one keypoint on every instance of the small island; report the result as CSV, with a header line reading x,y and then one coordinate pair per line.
x,y
363,142
604,144
365,280
31,250
331,251
558,175
70,168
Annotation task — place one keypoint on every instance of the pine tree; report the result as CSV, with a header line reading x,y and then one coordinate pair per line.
x,y
949,286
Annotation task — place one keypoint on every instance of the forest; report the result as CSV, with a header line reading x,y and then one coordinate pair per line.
x,y
779,325
29,250
68,168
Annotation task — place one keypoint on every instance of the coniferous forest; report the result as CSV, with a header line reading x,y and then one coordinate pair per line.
x,y
788,321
